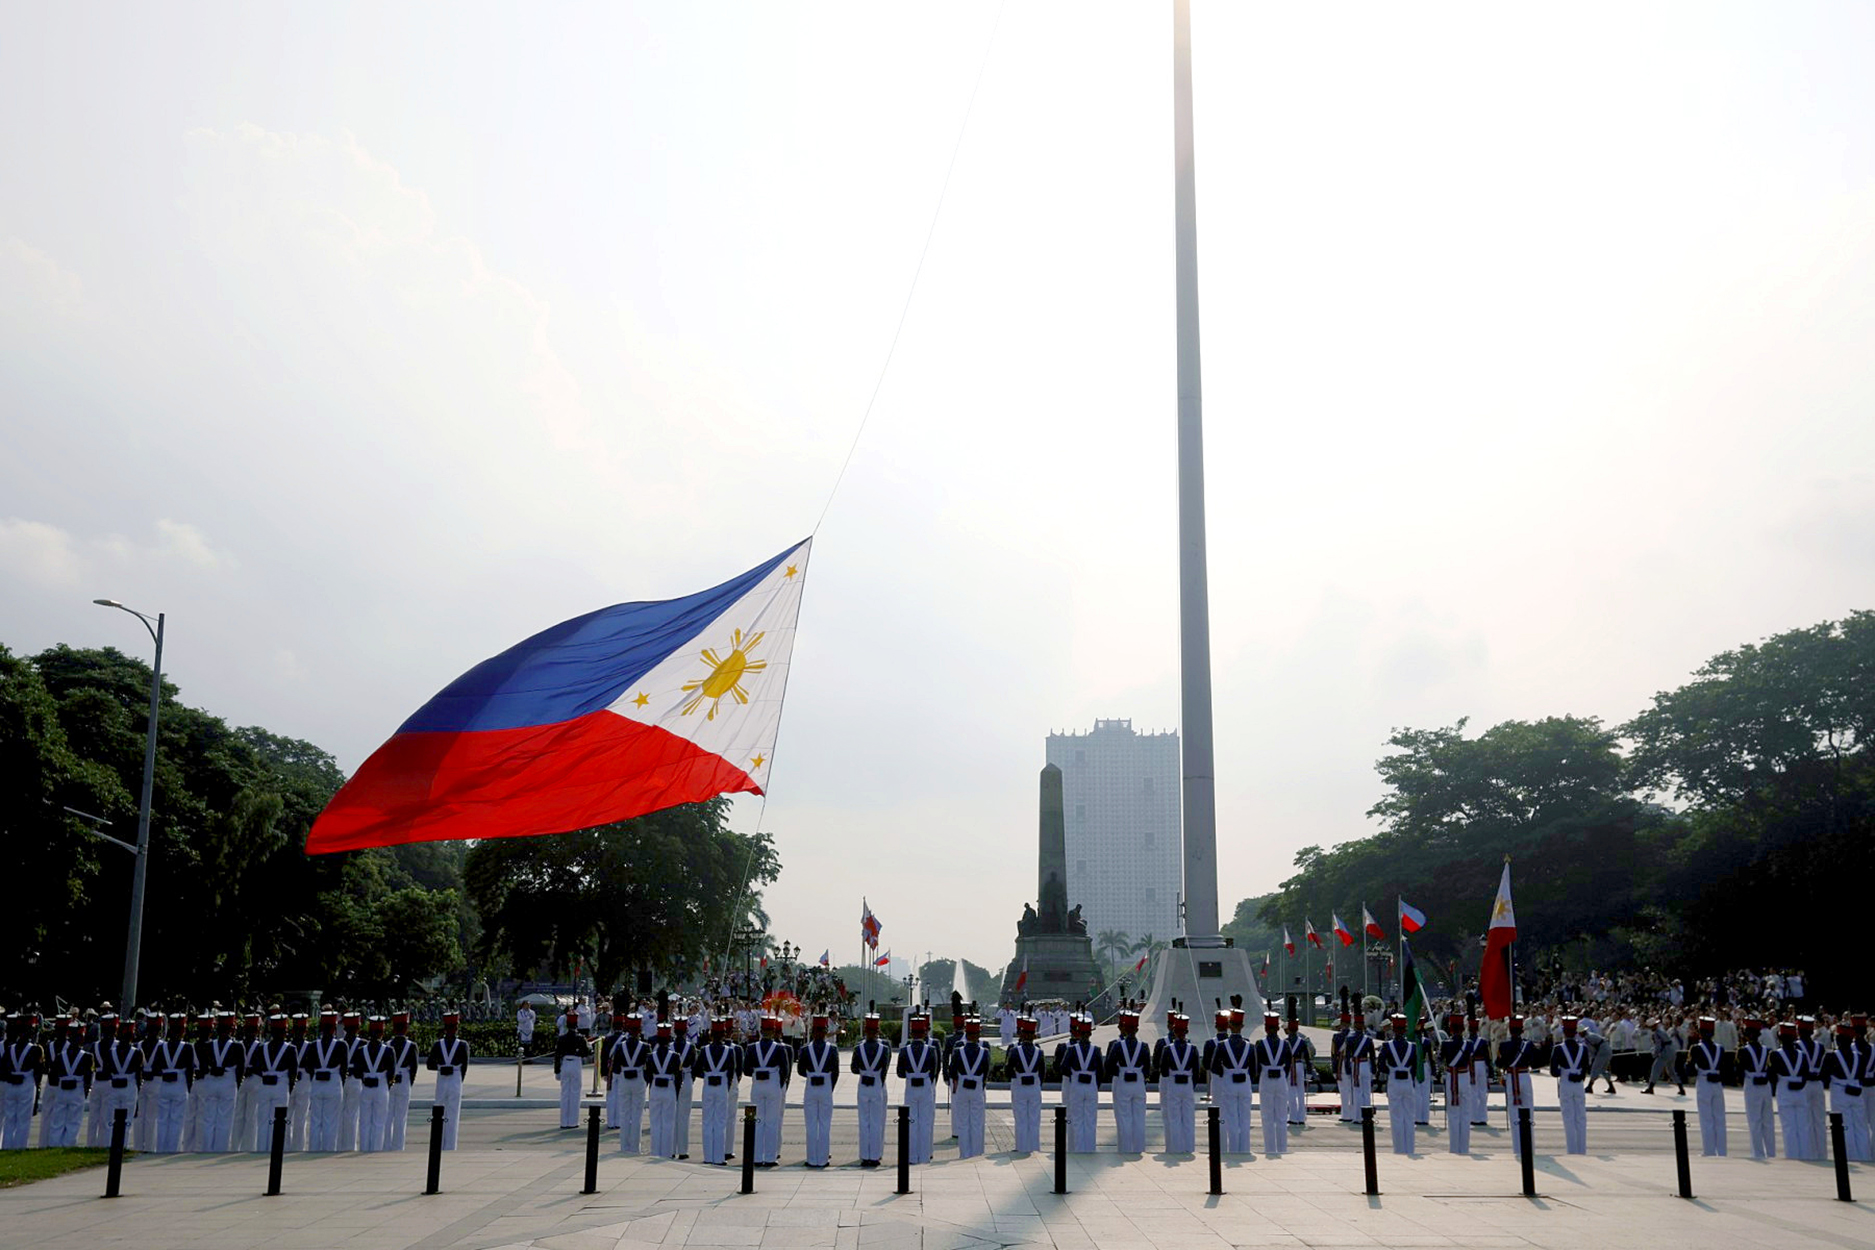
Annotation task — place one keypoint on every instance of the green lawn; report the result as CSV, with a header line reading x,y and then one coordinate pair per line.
x,y
23,1167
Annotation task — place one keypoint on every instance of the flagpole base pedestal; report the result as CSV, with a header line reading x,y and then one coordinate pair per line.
x,y
1198,976
1061,965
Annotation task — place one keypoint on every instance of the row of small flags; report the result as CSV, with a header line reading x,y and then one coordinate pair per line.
x,y
1412,920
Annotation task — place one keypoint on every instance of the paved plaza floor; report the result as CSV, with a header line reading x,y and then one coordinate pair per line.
x,y
515,1182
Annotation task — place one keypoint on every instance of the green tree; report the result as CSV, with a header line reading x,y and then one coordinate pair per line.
x,y
1112,944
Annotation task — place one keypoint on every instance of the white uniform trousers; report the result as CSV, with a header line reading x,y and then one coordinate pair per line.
x,y
1343,1087
1854,1125
16,1114
397,1112
170,1104
921,1098
267,1097
572,1076
1402,1109
1572,1100
374,1109
1298,1103
1129,1114
1360,1089
680,1127
1479,1092
967,1117
1793,1113
872,1119
1178,1108
1424,1088
1275,1114
298,1113
61,1113
241,1123
1709,1096
1760,1123
449,1098
1517,1096
322,1117
719,1105
348,1115
817,1112
1814,1103
192,1118
1233,1102
113,1099
663,1107
97,1131
770,1105
614,1102
143,1126
1458,1113
212,1100
1080,1091
631,1114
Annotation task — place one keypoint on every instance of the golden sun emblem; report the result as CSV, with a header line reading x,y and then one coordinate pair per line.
x,y
726,674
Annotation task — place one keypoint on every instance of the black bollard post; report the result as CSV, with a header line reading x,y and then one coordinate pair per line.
x,y
748,1150
434,1184
520,1058
1838,1148
276,1152
592,1151
114,1170
1523,1145
1680,1160
1367,1150
904,1149
1213,1136
1061,1150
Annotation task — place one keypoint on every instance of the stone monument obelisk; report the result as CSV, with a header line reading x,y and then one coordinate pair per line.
x,y
1051,938
1202,966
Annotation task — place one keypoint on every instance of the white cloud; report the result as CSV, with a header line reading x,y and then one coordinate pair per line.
x,y
44,555
33,284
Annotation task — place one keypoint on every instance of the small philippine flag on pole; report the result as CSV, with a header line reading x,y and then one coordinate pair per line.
x,y
627,710
1315,939
868,925
883,960
1342,931
824,957
1370,925
1289,943
1412,920
1022,978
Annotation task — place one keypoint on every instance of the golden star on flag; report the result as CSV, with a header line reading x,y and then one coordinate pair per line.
x,y
757,761
792,570
642,699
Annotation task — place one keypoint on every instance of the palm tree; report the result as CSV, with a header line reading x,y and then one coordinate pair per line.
x,y
1111,943
1150,947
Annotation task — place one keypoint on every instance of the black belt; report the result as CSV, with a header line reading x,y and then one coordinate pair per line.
x,y
816,1078
916,1078
397,1078
714,1078
1238,1078
446,1069
1180,1078
1711,1078
1759,1078
218,1072
1404,1074
1027,1078
867,1078
970,1082
1852,1091
1129,1076
13,1078
120,1082
323,1074
663,1082
172,1076
1793,1083
629,1074
762,1074
1577,1077
1275,1074
270,1078
70,1082
370,1082
1083,1078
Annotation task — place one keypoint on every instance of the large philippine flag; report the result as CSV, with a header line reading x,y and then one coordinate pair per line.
x,y
623,711
1494,985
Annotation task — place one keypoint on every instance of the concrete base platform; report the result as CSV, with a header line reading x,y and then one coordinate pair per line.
x,y
1200,978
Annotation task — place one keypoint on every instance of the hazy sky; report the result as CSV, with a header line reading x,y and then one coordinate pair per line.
x,y
366,340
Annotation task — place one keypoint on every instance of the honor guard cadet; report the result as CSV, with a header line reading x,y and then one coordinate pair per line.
x,y
299,1105
663,1069
1398,1059
1787,1066
1176,1060
1272,1072
1027,1067
120,1070
767,1061
1231,1087
372,1067
1220,1024
1301,1063
628,1064
171,1070
1754,1072
717,1068
1569,1064
871,1060
449,1058
1478,1095
1078,1065
272,1068
571,1050
349,1025
21,1063
1422,1075
1842,1072
68,1085
604,1049
1865,1069
1357,1059
322,1063
403,1081
143,1124
1335,1063
967,1067
95,1126
1707,1061
1515,1059
1129,1068
819,1069
920,1068
686,1055
241,1133
1455,1055
1813,1055
220,1064
192,1114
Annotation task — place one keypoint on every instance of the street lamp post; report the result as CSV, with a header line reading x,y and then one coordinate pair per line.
x,y
134,947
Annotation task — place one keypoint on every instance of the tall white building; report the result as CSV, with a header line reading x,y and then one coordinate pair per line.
x,y
1125,853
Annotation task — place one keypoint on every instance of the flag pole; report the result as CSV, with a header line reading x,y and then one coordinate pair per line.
x,y
1510,953
1364,915
1399,923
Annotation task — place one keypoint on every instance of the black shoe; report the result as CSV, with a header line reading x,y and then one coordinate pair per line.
x,y
683,1156
1648,1090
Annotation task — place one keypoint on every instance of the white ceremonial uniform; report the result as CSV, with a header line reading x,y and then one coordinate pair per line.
x,y
1793,1113
323,1061
120,1069
1178,1095
819,1065
717,1069
1514,1059
1128,1067
1006,1027
299,1104
1027,1066
603,1050
663,1069
1843,1071
1397,1060
1705,1057
348,1097
18,1093
1478,1086
62,1112
767,1062
372,1066
1301,1061
1338,1057
449,1059
1422,1083
270,1067
524,1026
680,1114
919,1066
172,1064
872,1059
1232,1089
241,1120
1458,1096
572,1078
95,1126
403,1080
1814,1097
969,1072
1569,1064
1273,1065
1754,1067
143,1123
1357,1057
1080,1093
629,1060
